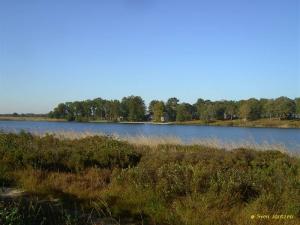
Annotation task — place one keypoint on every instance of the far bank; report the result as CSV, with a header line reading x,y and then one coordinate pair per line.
x,y
268,123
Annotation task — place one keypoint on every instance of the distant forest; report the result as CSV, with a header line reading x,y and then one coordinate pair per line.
x,y
133,108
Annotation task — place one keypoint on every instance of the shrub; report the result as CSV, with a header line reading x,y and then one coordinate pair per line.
x,y
50,153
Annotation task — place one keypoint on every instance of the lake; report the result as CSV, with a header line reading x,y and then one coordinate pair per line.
x,y
290,138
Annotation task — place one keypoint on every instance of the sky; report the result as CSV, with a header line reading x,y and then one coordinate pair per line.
x,y
59,50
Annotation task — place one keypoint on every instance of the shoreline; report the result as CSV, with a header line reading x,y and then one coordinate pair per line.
x,y
22,118
262,123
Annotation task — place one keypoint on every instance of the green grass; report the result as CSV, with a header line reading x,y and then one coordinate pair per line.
x,y
91,179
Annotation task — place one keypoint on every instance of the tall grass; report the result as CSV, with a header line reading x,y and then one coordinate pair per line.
x,y
155,141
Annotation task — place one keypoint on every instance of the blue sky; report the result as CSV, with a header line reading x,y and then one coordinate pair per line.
x,y
57,51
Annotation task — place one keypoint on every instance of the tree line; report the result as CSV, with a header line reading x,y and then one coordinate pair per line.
x,y
133,108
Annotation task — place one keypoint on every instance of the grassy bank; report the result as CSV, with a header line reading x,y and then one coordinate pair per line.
x,y
276,123
30,118
100,180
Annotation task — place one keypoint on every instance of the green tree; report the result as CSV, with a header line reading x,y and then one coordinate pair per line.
x,y
268,108
151,106
199,105
70,111
285,107
297,102
208,112
87,109
219,108
51,114
171,107
114,111
60,111
99,108
80,111
250,109
201,109
231,110
184,112
133,108
158,111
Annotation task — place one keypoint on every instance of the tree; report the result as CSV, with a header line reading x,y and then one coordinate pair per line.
x,y
158,111
99,108
230,110
285,107
250,109
60,111
133,108
219,108
79,111
208,112
151,106
87,109
114,111
268,108
171,107
70,111
184,112
51,114
201,109
297,102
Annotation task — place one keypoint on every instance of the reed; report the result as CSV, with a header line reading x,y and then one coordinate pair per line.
x,y
155,141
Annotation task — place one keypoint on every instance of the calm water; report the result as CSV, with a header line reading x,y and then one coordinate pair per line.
x,y
287,137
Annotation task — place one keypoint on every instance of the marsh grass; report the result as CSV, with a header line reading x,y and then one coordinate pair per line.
x,y
92,179
155,141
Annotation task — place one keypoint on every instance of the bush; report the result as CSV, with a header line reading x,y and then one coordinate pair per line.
x,y
50,153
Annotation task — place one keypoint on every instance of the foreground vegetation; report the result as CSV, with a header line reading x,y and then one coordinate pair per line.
x,y
100,180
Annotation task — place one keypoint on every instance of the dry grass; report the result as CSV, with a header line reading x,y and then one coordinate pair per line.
x,y
155,141
70,135
85,185
217,143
